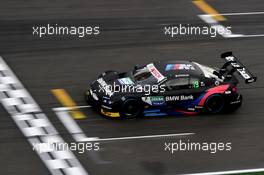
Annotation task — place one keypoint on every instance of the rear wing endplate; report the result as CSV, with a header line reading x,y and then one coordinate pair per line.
x,y
237,66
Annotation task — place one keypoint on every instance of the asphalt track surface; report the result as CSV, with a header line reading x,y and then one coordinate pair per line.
x,y
131,34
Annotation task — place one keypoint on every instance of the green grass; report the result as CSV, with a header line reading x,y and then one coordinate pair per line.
x,y
258,173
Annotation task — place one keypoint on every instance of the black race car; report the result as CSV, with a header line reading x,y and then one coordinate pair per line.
x,y
169,88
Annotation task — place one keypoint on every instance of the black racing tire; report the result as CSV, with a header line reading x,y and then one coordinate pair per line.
x,y
214,104
131,108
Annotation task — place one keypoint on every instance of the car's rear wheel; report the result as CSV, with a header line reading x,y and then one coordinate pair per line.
x,y
131,108
214,104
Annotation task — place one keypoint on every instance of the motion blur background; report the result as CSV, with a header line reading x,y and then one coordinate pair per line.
x,y
131,32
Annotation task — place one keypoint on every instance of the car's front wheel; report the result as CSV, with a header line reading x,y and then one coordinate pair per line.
x,y
214,104
131,108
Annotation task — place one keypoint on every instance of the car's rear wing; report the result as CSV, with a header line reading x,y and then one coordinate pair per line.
x,y
236,66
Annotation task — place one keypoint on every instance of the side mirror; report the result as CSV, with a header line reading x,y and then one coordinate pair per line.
x,y
136,67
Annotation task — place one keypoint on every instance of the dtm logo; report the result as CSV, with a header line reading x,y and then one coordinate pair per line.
x,y
244,73
239,68
179,67
230,58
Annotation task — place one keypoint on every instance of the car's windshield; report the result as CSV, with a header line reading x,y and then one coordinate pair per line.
x,y
147,75
143,75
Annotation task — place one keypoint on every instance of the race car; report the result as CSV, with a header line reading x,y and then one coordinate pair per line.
x,y
169,88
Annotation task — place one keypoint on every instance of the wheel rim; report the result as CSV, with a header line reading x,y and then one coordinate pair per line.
x,y
131,108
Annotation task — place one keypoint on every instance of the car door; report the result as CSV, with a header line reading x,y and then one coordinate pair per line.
x,y
182,92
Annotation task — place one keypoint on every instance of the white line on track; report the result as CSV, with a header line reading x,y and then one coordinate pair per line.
x,y
79,136
235,14
35,125
70,108
140,137
251,36
230,172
